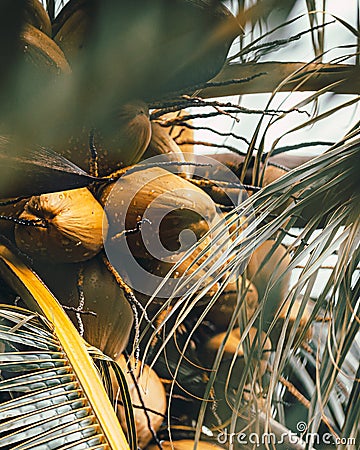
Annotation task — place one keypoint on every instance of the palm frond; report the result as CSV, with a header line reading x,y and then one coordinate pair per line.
x,y
48,355
36,170
45,402
330,180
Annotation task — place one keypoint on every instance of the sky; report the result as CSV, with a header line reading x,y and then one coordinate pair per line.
x,y
301,50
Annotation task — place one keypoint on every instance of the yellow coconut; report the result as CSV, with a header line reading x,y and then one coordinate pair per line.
x,y
68,226
293,311
71,28
106,316
232,347
272,173
36,15
153,395
41,72
232,366
268,175
220,314
41,52
120,140
182,134
162,143
125,135
108,43
180,275
169,203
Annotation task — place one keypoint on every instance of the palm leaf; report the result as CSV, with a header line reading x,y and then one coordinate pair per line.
x,y
331,181
36,170
45,356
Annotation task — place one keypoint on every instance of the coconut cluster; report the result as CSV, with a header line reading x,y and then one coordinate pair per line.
x,y
63,234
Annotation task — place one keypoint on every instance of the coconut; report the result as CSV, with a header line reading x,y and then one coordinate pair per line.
x,y
182,134
267,175
232,347
231,369
125,135
36,15
266,277
169,203
41,52
221,312
107,317
71,226
154,398
271,174
187,268
70,28
162,143
103,40
41,73
293,312
120,139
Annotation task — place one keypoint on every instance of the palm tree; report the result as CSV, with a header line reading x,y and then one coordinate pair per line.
x,y
278,377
